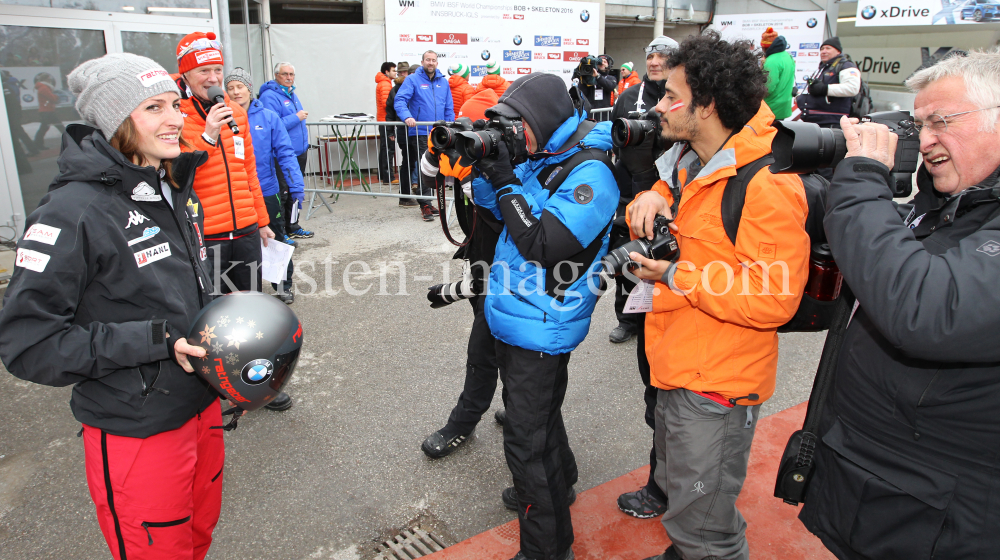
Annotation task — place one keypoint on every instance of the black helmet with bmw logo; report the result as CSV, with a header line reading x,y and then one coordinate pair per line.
x,y
253,342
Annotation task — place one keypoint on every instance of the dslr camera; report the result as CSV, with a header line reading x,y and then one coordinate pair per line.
x,y
634,128
475,141
803,147
586,68
663,247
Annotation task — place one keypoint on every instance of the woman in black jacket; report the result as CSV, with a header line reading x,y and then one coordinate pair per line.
x,y
108,277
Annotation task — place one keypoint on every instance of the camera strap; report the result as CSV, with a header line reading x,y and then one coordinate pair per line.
x,y
443,214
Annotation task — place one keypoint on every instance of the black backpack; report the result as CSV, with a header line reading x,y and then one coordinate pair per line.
x,y
861,103
812,315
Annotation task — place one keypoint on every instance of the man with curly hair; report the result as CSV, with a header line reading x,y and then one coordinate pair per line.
x,y
711,337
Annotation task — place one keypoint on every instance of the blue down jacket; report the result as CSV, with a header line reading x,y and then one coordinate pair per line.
x,y
424,100
270,142
273,97
545,277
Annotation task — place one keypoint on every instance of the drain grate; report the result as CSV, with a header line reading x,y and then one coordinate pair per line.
x,y
409,544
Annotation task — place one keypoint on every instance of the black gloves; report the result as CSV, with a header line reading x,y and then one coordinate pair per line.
x,y
818,89
498,168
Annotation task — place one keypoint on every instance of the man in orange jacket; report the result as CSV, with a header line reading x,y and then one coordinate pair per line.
x,y
629,78
458,80
711,335
386,138
235,215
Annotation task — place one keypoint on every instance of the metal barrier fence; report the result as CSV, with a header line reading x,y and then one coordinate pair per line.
x,y
370,158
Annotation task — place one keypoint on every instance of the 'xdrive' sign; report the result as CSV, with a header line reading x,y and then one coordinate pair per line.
x,y
875,13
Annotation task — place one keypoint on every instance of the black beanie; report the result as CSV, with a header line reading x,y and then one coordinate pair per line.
x,y
834,42
542,101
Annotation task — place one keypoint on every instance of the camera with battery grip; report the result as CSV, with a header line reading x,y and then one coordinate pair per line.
x,y
474,141
634,128
663,247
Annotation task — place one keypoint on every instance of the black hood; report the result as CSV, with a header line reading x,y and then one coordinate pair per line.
x,y
542,101
87,157
779,45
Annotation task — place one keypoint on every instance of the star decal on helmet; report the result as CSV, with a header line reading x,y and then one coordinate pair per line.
x,y
235,339
207,335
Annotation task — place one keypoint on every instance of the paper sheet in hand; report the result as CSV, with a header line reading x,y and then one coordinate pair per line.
x,y
295,211
640,299
274,260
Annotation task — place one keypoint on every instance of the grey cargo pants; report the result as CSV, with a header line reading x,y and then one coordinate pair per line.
x,y
702,450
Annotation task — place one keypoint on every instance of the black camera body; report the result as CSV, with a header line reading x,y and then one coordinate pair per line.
x,y
634,128
475,141
663,247
802,147
586,68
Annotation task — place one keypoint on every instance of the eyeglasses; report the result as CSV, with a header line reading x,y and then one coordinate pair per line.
x,y
938,124
661,49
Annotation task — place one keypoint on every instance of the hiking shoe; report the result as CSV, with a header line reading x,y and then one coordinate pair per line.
x,y
641,504
408,202
500,416
427,214
509,497
669,554
621,333
439,444
289,241
289,295
434,210
281,402
301,234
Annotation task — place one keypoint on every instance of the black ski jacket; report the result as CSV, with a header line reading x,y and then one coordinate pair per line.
x,y
910,439
104,269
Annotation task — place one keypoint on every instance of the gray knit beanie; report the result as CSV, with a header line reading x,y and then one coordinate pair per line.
x,y
109,88
242,76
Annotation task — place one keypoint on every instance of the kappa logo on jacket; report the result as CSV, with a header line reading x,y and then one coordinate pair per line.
x,y
135,219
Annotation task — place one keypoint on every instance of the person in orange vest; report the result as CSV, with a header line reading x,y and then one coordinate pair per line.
x,y
629,78
458,80
383,85
493,80
236,218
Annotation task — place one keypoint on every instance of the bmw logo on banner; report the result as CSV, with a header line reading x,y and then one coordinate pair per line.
x,y
811,22
868,12
517,39
485,55
584,16
257,372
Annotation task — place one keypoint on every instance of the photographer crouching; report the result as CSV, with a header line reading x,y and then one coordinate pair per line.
x,y
711,332
906,464
546,177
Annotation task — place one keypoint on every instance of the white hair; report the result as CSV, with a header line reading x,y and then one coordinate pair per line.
x,y
278,66
980,70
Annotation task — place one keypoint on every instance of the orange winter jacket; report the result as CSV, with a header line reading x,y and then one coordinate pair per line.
x,y
632,80
495,82
227,183
476,105
714,339
461,91
383,85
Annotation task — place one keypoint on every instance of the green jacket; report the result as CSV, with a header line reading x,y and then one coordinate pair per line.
x,y
780,69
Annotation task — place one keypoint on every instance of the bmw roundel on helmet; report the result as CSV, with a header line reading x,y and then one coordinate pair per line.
x,y
253,343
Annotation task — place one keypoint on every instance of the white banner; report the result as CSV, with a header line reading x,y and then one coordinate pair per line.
x,y
802,30
878,13
26,75
530,36
892,66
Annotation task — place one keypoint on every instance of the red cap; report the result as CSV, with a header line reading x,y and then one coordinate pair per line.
x,y
198,49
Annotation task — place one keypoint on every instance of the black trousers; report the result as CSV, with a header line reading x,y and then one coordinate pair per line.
x,y
418,145
537,449
235,263
277,225
386,151
286,199
406,160
481,374
46,120
649,397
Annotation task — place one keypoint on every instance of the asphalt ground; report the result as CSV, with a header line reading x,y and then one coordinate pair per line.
x,y
342,470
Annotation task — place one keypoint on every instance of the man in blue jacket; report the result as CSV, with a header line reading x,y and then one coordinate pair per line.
x,y
543,287
279,96
271,145
424,96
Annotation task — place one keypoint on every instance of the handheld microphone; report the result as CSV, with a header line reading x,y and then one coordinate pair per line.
x,y
216,94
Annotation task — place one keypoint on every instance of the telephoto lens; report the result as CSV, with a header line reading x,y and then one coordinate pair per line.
x,y
478,144
663,247
444,135
633,129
